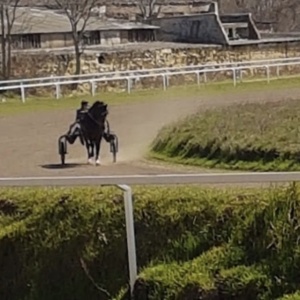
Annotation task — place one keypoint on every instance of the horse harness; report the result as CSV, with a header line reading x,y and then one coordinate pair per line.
x,y
100,124
93,119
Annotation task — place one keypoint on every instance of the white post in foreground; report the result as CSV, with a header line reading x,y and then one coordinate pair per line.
x,y
130,235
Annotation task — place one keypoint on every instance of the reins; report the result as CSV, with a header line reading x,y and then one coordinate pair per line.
x,y
93,119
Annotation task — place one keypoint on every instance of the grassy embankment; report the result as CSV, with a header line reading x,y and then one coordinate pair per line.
x,y
262,137
191,242
33,104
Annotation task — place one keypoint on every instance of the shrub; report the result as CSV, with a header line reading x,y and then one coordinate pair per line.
x,y
295,296
56,240
261,136
205,277
190,280
71,243
243,282
267,264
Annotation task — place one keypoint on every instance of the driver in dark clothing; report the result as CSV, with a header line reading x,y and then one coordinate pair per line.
x,y
82,111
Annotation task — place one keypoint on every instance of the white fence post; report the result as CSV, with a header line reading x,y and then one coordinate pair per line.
x,y
204,77
57,90
268,73
277,71
93,88
198,78
22,93
128,85
131,248
234,76
164,82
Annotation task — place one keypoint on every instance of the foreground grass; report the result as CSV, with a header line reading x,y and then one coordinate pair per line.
x,y
14,105
259,137
192,243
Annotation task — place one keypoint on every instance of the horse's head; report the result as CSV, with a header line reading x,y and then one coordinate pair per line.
x,y
99,110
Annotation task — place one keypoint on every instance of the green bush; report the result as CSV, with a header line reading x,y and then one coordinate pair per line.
x,y
261,136
243,282
189,280
271,235
214,275
71,243
54,241
267,234
295,296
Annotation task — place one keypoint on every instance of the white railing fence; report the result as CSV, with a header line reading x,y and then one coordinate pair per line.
x,y
122,183
129,77
92,76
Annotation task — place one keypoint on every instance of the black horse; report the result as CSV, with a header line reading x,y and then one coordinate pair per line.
x,y
93,129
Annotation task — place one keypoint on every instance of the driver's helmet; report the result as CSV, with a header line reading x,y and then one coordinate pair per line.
x,y
84,104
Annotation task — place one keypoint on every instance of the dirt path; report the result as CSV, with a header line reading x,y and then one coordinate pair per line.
x,y
28,144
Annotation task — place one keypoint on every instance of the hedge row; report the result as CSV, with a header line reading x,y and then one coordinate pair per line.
x,y
253,136
260,259
217,274
295,296
70,243
49,239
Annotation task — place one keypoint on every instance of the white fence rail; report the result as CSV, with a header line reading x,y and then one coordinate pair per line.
x,y
221,178
165,75
155,179
54,79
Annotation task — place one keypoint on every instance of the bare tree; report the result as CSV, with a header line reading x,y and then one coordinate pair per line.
x,y
79,13
8,9
283,12
150,8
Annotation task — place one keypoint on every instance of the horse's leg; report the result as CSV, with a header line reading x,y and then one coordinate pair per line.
x,y
92,149
89,152
98,144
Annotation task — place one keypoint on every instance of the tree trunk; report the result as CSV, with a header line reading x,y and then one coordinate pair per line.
x,y
77,58
77,63
8,65
3,43
3,58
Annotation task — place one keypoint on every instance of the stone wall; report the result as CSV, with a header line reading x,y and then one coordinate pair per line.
x,y
37,65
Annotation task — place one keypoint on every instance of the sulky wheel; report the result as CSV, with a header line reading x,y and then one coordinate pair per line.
x,y
113,150
114,146
63,158
62,149
62,152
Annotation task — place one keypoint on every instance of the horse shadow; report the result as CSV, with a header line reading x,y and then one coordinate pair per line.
x,y
61,166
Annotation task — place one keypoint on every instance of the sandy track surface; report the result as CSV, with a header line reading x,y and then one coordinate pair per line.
x,y
28,144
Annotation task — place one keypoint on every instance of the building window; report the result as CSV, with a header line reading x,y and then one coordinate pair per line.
x,y
230,34
141,35
26,41
91,38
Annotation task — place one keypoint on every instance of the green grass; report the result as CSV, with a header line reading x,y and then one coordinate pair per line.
x,y
295,296
259,137
15,106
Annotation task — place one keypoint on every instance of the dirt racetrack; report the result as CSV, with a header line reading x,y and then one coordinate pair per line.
x,y
28,144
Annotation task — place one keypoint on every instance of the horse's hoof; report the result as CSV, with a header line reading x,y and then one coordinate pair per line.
x,y
97,162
